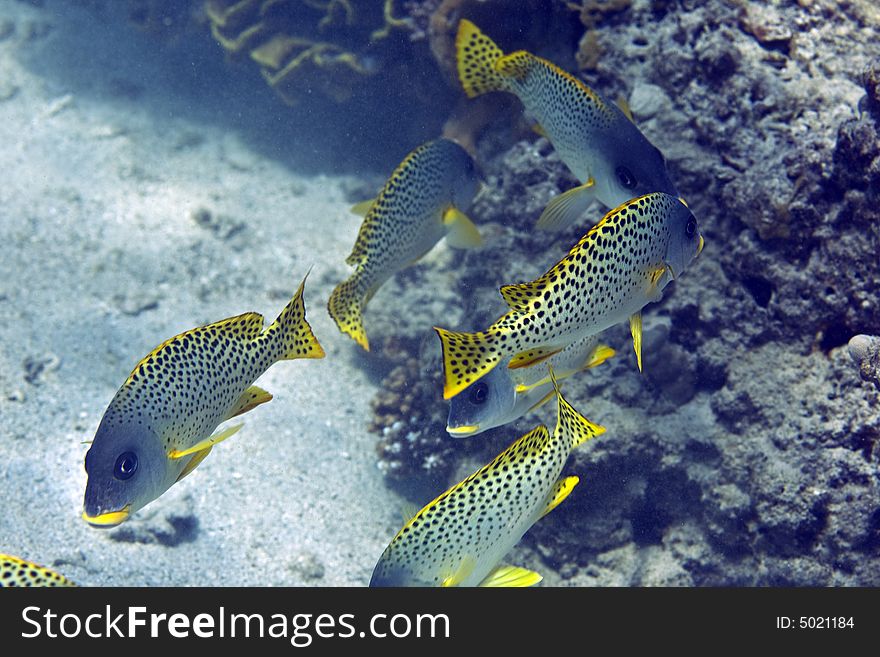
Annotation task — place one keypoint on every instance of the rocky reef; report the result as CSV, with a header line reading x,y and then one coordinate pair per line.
x,y
748,452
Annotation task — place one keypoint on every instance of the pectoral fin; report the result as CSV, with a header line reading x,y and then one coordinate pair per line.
x,y
624,107
463,234
561,490
194,462
361,209
462,572
249,400
635,327
567,208
508,576
532,357
205,444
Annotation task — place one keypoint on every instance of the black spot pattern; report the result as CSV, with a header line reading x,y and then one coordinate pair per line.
x,y
605,278
582,126
189,384
17,572
484,516
404,223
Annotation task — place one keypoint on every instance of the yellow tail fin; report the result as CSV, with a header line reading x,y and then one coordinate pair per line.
x,y
467,357
476,56
346,306
291,331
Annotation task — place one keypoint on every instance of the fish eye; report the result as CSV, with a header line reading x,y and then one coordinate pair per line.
x,y
626,178
691,228
479,393
126,465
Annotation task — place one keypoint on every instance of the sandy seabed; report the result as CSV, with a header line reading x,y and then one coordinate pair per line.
x,y
126,218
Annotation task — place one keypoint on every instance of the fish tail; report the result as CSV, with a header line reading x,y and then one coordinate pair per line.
x,y
573,427
346,306
476,59
291,334
466,358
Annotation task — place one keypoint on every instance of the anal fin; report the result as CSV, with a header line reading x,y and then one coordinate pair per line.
x,y
561,490
635,327
205,444
567,208
532,357
520,295
249,400
511,576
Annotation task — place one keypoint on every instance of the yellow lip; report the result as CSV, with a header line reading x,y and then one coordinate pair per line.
x,y
702,242
464,430
108,519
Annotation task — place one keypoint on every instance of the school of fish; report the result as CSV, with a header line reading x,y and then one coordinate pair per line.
x,y
167,416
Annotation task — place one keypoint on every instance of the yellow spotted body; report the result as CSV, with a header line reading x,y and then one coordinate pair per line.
x,y
618,267
460,538
596,139
18,572
419,204
177,395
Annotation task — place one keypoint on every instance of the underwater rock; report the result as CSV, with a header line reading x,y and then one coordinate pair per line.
x,y
865,351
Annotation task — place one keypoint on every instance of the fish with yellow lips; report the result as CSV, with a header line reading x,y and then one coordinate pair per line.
x,y
18,572
505,395
460,538
421,203
620,265
596,139
160,424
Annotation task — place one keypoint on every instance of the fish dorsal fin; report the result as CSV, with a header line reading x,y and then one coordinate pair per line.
x,y
194,462
566,208
516,65
635,327
624,107
250,325
207,443
462,233
561,490
532,357
361,209
538,129
520,295
249,400
511,576
465,568
571,425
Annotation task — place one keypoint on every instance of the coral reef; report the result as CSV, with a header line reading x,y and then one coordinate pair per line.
x,y
330,47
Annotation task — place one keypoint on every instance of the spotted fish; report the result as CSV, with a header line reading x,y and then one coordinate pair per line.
x,y
596,139
620,265
505,395
421,202
460,538
159,425
18,572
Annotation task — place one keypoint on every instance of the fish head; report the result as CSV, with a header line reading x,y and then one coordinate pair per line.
x,y
631,166
685,240
127,468
484,404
